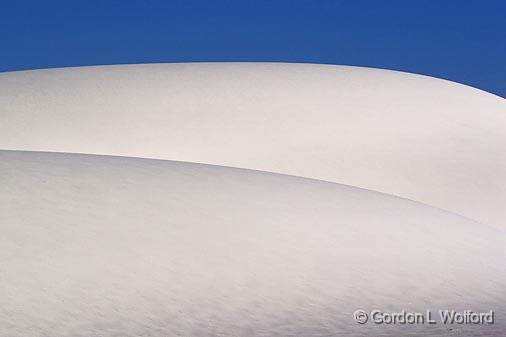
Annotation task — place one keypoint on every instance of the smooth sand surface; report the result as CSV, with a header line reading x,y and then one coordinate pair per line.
x,y
110,246
417,137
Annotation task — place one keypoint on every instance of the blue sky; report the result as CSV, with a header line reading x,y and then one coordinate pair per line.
x,y
464,41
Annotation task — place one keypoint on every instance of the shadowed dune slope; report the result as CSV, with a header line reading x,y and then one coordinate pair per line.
x,y
113,246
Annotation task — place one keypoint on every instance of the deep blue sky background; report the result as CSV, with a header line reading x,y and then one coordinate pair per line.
x,y
464,41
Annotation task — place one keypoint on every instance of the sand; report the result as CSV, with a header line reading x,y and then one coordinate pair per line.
x,y
109,246
426,139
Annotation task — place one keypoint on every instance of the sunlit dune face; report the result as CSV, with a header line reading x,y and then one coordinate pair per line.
x,y
417,137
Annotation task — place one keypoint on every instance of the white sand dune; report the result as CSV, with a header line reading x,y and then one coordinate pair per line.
x,y
429,140
111,246
115,246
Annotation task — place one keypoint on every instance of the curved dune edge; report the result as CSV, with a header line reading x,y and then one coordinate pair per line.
x,y
124,246
176,162
417,137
